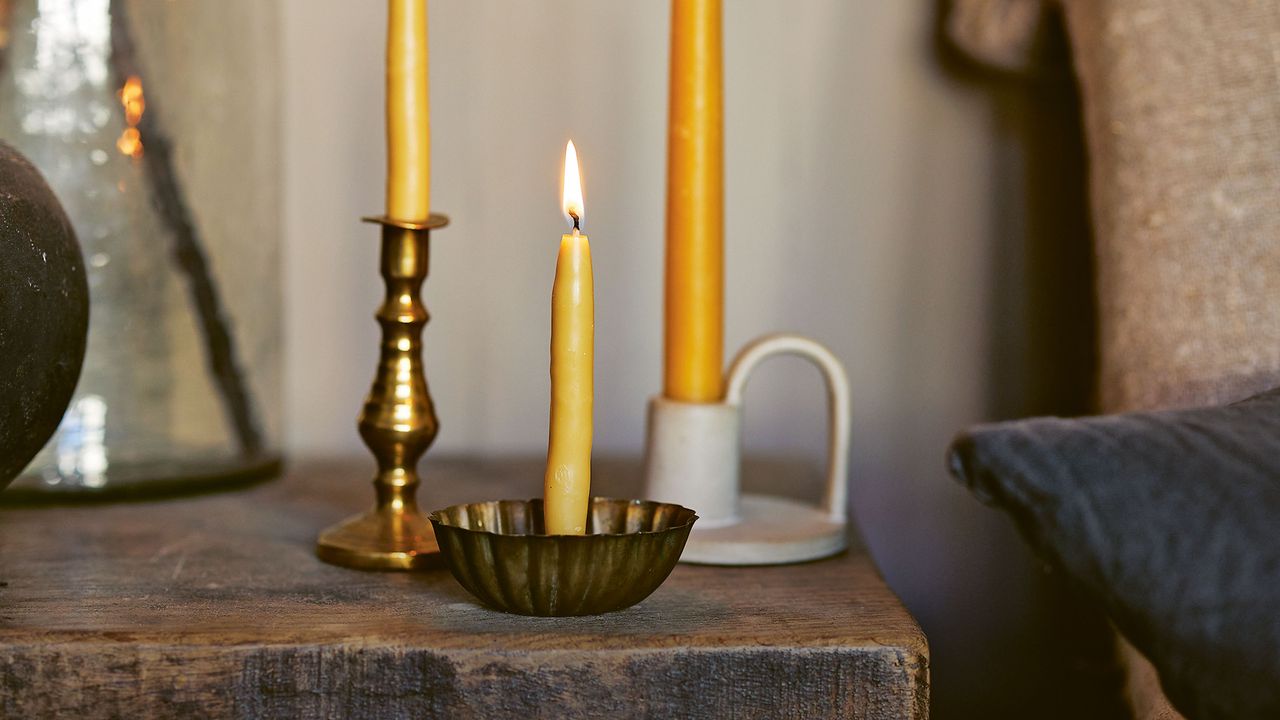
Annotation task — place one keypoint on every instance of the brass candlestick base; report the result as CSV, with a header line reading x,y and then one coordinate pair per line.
x,y
398,421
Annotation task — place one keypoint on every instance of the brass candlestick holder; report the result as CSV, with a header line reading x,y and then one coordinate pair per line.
x,y
398,421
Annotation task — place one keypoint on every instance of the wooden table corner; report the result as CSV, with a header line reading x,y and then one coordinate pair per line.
x,y
215,606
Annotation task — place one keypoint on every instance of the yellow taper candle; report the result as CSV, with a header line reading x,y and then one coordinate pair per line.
x,y
567,483
408,126
694,312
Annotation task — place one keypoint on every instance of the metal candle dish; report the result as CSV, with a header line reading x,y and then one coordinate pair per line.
x,y
498,551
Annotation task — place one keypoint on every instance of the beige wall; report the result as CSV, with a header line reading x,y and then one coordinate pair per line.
x,y
860,210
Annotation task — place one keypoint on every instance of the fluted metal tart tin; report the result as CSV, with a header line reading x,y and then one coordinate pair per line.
x,y
498,551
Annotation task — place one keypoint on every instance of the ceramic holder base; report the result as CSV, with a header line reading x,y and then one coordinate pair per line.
x,y
692,458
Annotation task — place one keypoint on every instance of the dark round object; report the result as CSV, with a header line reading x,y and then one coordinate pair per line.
x,y
44,312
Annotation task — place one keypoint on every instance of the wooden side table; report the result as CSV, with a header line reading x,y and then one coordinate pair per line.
x,y
216,606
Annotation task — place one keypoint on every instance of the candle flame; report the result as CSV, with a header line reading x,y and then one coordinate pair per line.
x,y
572,195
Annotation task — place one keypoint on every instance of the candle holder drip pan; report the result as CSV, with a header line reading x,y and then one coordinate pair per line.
x,y
498,550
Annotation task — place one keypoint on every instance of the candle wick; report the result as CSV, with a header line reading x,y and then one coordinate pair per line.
x,y
576,222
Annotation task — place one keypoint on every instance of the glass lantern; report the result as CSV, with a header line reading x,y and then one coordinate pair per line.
x,y
156,125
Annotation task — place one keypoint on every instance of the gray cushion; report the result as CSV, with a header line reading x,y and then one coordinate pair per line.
x,y
1171,522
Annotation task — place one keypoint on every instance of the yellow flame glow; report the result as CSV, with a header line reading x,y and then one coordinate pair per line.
x,y
571,198
131,98
130,142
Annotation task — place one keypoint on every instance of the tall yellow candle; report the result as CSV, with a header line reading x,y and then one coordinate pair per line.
x,y
567,483
408,126
694,310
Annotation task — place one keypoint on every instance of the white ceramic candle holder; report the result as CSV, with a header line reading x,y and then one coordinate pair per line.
x,y
692,458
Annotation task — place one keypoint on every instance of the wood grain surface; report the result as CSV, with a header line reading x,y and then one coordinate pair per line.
x,y
215,606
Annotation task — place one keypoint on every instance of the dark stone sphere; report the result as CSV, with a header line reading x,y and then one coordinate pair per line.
x,y
44,312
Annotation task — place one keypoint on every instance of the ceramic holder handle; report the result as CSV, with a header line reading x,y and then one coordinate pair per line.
x,y
693,457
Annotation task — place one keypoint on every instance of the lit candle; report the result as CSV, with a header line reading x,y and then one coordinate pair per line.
x,y
567,483
408,129
694,314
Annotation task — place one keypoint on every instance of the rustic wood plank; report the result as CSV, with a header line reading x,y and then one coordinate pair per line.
x,y
215,606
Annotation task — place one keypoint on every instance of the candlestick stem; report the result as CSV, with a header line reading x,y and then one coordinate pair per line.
x,y
398,421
